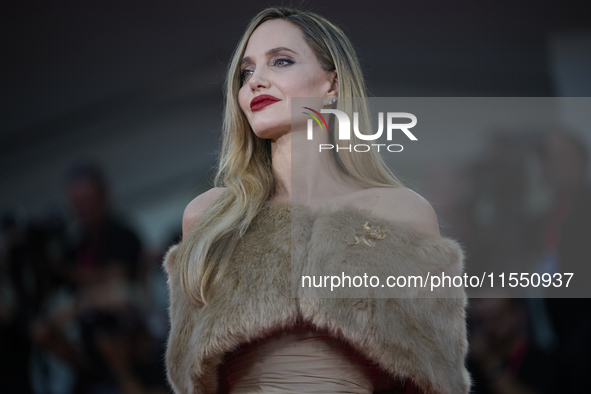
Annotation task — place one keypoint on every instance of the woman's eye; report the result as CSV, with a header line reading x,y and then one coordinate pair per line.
x,y
245,74
283,62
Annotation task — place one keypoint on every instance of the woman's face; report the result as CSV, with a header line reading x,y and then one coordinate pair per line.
x,y
278,64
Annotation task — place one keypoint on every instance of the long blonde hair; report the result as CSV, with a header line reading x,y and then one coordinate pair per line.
x,y
245,168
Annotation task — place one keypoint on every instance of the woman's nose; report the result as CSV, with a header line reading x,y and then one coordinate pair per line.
x,y
258,80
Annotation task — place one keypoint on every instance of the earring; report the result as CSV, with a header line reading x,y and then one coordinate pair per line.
x,y
331,101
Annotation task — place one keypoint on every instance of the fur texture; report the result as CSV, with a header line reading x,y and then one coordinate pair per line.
x,y
422,338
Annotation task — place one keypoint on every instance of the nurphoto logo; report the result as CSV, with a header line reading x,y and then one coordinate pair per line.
x,y
345,129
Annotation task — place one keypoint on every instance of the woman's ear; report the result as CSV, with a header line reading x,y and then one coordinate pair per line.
x,y
334,84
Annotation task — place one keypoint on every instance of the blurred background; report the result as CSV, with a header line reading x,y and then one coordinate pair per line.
x,y
109,126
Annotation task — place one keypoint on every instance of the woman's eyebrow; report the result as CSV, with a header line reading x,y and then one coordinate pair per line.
x,y
272,51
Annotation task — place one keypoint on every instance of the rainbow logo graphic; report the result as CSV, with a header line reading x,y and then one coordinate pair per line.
x,y
316,118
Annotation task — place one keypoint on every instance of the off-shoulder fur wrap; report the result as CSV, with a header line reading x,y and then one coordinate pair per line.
x,y
423,339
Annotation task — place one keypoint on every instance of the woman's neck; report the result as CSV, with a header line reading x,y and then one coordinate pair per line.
x,y
306,175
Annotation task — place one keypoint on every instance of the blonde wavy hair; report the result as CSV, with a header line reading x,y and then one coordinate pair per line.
x,y
245,168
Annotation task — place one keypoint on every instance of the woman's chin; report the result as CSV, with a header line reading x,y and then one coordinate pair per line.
x,y
272,134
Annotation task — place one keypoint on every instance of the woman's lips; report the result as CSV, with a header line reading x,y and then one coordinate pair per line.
x,y
260,102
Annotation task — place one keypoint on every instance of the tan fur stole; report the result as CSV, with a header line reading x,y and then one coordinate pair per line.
x,y
419,338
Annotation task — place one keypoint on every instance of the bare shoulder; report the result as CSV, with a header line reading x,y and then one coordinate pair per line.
x,y
405,205
197,207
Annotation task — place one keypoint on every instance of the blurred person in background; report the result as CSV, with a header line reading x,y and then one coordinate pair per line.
x,y
548,337
504,358
105,249
496,216
566,227
30,251
98,327
563,325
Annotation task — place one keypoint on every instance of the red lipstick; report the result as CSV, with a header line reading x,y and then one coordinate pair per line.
x,y
260,102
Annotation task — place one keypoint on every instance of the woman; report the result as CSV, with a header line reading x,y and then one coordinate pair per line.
x,y
236,325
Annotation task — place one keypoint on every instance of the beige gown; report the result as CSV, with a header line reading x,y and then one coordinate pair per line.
x,y
302,360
